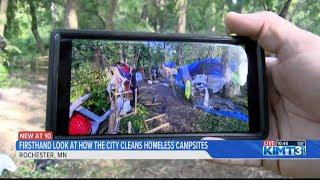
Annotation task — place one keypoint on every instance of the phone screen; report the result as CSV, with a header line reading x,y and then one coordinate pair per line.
x,y
152,87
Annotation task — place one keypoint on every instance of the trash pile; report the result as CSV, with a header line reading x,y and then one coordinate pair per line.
x,y
122,81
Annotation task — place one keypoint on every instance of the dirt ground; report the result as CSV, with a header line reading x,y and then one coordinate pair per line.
x,y
179,112
24,109
177,108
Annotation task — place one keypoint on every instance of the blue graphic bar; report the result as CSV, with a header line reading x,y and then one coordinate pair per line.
x,y
215,148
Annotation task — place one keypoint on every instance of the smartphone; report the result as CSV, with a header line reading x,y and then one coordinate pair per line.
x,y
108,84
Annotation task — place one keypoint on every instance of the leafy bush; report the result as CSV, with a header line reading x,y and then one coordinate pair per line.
x,y
242,102
213,123
137,120
85,80
9,81
3,73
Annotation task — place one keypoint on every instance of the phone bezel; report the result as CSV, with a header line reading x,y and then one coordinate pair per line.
x,y
58,92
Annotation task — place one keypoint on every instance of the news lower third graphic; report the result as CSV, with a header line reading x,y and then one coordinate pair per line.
x,y
284,148
40,145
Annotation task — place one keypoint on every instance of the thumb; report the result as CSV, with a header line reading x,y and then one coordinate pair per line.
x,y
272,32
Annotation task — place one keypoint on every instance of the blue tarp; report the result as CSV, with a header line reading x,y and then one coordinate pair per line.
x,y
185,73
170,64
213,67
208,66
236,114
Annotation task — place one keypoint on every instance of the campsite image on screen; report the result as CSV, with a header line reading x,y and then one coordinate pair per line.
x,y
143,87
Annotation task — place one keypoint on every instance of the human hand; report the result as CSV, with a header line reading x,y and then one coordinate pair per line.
x,y
293,85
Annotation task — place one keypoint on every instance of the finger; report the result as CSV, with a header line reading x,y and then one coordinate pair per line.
x,y
272,32
233,162
273,94
265,27
272,165
273,97
244,24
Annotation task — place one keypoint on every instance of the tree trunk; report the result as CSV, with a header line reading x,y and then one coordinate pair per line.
x,y
34,28
294,12
227,73
182,19
180,57
218,11
145,11
54,14
112,121
163,17
98,64
157,17
160,19
121,53
236,7
3,15
285,9
71,15
149,62
125,53
112,10
239,6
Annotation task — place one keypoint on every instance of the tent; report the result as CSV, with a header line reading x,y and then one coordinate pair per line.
x,y
212,68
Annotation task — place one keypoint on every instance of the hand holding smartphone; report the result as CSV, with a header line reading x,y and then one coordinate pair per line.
x,y
147,85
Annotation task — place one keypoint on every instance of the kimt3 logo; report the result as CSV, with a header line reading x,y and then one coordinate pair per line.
x,y
284,148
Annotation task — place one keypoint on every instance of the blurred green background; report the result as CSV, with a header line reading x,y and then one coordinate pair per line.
x,y
25,27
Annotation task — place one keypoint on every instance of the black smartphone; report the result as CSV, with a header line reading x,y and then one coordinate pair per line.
x,y
106,84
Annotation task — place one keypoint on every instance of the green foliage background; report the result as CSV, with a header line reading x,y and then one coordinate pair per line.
x,y
204,17
84,80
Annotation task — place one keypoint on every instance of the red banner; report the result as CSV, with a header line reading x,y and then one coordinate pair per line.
x,y
35,135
